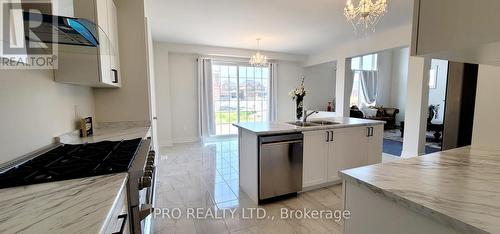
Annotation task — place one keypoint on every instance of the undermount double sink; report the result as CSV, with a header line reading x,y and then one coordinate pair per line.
x,y
313,123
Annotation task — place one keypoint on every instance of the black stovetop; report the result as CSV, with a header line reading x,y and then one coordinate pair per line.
x,y
73,161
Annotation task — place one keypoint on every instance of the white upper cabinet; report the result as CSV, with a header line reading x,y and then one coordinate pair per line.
x,y
93,66
457,30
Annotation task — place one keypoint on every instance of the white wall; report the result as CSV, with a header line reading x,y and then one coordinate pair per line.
x,y
320,82
35,109
288,78
177,92
384,79
394,38
399,78
131,101
183,97
438,95
163,106
417,94
486,128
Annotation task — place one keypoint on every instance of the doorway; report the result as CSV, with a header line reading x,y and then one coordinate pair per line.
x,y
452,97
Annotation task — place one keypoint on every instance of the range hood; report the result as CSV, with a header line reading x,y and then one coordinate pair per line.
x,y
60,30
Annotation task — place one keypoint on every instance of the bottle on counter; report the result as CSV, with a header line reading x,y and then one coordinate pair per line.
x,y
329,108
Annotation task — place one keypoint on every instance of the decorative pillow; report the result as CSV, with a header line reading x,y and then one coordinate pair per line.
x,y
369,112
390,112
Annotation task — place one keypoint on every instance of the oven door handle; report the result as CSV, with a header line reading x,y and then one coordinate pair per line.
x,y
124,221
146,210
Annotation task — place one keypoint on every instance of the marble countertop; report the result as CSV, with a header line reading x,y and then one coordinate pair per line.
x,y
109,131
459,188
70,206
266,128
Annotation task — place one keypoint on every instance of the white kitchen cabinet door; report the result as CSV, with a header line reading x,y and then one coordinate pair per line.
x,y
349,149
104,42
114,47
375,144
315,158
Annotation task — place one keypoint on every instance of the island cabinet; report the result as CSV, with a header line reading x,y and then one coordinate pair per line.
x,y
326,152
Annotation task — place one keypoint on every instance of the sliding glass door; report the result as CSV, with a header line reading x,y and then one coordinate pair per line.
x,y
240,94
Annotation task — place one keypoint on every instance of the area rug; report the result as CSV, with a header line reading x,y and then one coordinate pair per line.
x,y
395,135
395,147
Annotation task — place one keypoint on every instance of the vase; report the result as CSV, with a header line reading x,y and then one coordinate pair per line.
x,y
299,108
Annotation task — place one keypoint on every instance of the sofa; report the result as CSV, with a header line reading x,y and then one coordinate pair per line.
x,y
387,114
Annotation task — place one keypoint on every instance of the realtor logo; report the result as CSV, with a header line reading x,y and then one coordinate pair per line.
x,y
27,32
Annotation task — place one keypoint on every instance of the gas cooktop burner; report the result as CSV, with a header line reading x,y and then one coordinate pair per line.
x,y
73,161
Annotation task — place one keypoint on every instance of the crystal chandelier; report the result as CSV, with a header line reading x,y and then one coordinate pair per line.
x,y
366,15
258,59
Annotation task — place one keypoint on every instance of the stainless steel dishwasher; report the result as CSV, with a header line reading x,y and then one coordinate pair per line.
x,y
280,165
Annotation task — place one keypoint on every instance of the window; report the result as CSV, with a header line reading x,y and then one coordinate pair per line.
x,y
364,63
358,64
240,94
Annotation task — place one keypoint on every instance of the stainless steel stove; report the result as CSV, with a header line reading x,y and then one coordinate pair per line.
x,y
67,161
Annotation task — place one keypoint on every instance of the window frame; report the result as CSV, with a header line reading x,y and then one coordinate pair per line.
x,y
368,58
238,65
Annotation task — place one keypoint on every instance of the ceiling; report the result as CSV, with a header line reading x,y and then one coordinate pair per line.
x,y
291,26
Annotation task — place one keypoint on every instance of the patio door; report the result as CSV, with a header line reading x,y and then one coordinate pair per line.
x,y
240,94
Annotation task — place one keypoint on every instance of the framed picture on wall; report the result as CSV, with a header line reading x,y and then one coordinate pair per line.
x,y
433,77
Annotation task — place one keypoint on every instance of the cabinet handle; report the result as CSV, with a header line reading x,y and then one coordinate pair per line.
x,y
327,136
115,76
331,139
124,221
370,131
146,210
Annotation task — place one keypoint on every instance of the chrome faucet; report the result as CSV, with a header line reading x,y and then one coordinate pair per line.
x,y
307,115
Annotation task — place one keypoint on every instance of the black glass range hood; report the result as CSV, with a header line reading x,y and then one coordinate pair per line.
x,y
60,30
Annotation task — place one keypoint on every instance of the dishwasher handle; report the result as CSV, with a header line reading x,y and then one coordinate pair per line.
x,y
281,142
281,138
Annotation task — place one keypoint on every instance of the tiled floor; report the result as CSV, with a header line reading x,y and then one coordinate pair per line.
x,y
206,176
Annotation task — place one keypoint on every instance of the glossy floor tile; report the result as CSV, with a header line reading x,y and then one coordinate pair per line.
x,y
205,175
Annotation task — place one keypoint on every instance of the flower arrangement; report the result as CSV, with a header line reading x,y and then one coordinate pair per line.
x,y
298,95
298,92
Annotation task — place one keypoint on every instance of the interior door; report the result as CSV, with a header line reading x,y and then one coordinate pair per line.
x,y
152,91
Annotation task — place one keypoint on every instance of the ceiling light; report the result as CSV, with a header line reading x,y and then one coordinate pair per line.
x,y
258,59
366,15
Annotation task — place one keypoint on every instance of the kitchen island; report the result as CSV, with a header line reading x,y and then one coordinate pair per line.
x,y
454,191
329,145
